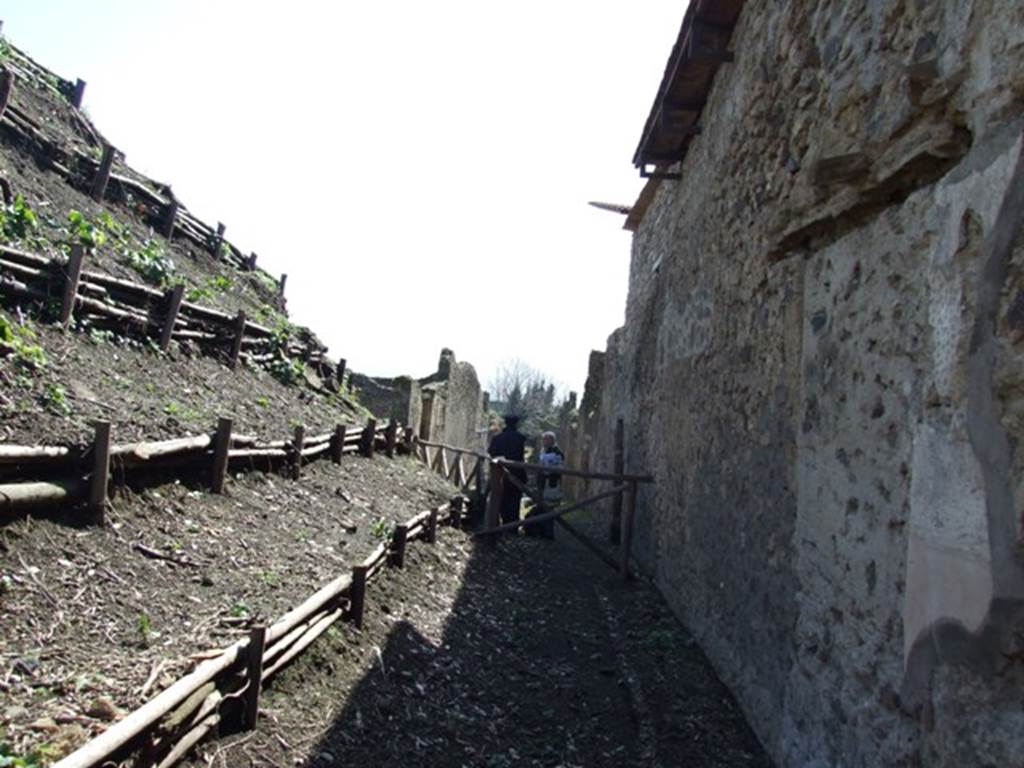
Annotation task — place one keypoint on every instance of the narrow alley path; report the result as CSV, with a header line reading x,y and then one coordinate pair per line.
x,y
534,655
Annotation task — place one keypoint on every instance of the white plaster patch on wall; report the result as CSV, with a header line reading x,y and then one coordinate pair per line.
x,y
981,191
948,560
685,329
944,317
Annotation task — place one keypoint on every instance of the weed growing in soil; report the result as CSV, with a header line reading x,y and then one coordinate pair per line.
x,y
215,285
240,609
172,409
152,264
382,528
18,221
263,401
8,759
145,627
97,336
18,340
287,371
55,400
84,232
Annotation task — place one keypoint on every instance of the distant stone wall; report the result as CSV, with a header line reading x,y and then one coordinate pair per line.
x,y
821,363
399,398
447,406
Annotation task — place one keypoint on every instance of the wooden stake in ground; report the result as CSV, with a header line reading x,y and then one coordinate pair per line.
x,y
398,541
338,444
78,93
254,674
298,443
174,298
236,347
368,438
6,88
220,454
217,240
432,526
615,532
357,594
170,215
391,437
339,373
492,517
72,275
99,182
100,470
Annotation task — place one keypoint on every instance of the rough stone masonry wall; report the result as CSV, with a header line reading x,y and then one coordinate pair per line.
x,y
821,363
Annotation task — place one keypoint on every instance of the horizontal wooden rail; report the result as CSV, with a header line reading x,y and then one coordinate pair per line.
x,y
552,514
193,699
569,471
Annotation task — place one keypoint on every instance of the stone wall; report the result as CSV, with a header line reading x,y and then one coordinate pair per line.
x,y
446,406
821,363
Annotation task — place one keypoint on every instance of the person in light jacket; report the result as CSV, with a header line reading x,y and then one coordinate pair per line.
x,y
550,455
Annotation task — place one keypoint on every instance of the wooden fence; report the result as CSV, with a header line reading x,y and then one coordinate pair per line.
x,y
155,201
130,307
223,692
485,488
49,476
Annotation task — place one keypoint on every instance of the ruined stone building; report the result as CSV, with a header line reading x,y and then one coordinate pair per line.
x,y
821,363
447,406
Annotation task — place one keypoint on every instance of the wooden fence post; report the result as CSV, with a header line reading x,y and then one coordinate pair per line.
x,y
391,437
6,88
236,346
280,291
492,516
627,533
217,240
78,93
254,674
298,443
398,540
170,215
174,298
455,511
339,373
100,469
615,533
369,434
478,494
99,182
432,526
338,443
357,594
71,278
250,263
222,444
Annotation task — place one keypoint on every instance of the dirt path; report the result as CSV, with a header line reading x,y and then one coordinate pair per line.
x,y
532,656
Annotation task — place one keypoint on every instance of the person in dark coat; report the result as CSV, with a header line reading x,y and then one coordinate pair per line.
x,y
510,444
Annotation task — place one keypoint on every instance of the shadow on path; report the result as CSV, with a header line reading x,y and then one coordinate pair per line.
x,y
545,659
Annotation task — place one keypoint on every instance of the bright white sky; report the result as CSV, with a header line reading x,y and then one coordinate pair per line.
x,y
436,157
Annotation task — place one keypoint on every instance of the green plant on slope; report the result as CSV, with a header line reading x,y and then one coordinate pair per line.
x,y
214,285
55,399
152,264
8,759
18,341
382,528
17,220
81,231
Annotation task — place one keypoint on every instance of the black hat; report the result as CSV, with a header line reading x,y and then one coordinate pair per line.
x,y
511,418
